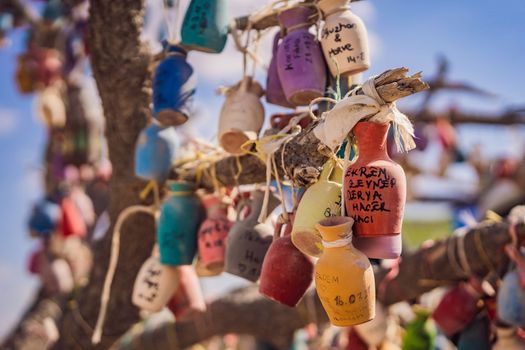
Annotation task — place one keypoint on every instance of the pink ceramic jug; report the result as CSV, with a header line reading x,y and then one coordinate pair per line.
x,y
188,298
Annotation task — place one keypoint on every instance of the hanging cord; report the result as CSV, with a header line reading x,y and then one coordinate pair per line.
x,y
171,23
244,49
341,119
115,246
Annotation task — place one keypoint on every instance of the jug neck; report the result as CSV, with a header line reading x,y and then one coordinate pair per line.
x,y
180,188
294,17
372,139
330,7
335,228
172,48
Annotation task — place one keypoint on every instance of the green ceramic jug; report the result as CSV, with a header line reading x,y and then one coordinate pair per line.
x,y
205,26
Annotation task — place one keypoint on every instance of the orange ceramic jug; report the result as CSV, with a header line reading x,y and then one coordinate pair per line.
x,y
286,272
343,275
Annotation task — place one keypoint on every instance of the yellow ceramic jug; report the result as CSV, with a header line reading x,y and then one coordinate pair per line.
x,y
320,201
343,275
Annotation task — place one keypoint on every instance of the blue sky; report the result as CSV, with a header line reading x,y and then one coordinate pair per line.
x,y
484,41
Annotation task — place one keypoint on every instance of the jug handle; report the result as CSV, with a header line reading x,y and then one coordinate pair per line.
x,y
328,168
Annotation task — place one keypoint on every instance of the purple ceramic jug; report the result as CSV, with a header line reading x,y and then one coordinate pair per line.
x,y
274,89
300,63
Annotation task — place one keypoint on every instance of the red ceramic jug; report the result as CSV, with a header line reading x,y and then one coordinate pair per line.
x,y
213,232
72,223
458,308
375,193
188,298
286,272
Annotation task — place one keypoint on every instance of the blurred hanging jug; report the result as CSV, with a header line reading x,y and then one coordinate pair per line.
x,y
174,84
344,39
155,152
286,272
188,298
213,232
300,63
375,193
320,201
343,275
205,26
180,216
154,285
248,240
274,89
45,217
477,335
242,115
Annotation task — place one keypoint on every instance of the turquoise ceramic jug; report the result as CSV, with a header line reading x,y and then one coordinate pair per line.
x,y
180,217
174,86
155,152
205,26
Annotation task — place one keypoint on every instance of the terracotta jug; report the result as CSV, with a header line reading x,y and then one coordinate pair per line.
x,y
205,26
343,38
188,298
180,216
420,333
344,278
300,63
45,217
321,200
375,193
248,240
154,285
242,115
274,89
477,335
213,232
72,223
155,152
174,84
508,339
457,308
511,300
286,272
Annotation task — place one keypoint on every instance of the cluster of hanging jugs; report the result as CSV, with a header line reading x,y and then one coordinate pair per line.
x,y
371,190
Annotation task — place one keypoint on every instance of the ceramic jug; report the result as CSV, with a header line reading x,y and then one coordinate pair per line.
x,y
274,89
511,300
180,216
154,285
355,341
375,193
457,309
321,200
420,333
72,223
241,116
286,272
205,26
213,232
45,217
155,152
248,240
344,39
344,278
280,120
476,336
374,332
300,63
51,108
174,84
508,339
188,298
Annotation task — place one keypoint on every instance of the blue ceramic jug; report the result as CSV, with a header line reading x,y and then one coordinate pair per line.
x,y
477,335
155,152
511,300
180,218
205,26
44,218
174,86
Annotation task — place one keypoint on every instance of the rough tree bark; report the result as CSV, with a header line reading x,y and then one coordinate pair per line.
x,y
419,272
120,66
